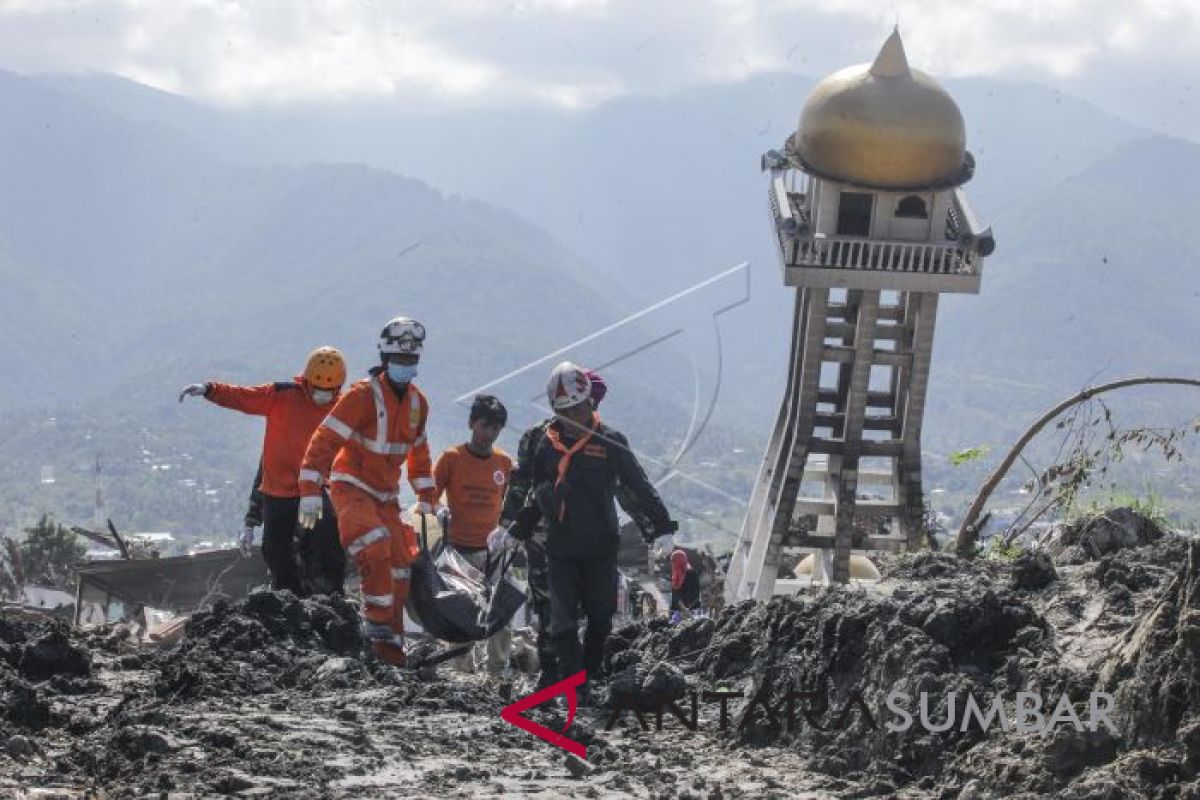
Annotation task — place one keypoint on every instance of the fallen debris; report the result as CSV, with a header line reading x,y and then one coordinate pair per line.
x,y
272,695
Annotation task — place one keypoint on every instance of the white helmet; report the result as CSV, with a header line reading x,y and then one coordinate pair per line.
x,y
569,386
402,335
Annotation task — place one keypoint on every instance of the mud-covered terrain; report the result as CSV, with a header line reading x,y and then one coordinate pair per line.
x,y
272,697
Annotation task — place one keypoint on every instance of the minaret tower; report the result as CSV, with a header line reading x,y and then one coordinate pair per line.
x,y
872,225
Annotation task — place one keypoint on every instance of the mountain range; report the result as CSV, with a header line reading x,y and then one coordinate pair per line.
x,y
149,240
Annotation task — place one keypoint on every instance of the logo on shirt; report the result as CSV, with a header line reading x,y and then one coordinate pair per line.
x,y
498,477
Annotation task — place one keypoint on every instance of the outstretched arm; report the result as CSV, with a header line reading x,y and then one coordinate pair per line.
x,y
255,400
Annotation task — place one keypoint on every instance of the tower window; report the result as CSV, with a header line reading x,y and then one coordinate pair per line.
x,y
911,207
854,214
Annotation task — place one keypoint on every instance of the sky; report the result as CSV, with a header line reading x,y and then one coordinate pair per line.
x,y
1137,58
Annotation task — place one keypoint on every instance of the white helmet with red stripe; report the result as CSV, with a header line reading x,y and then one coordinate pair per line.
x,y
569,386
402,335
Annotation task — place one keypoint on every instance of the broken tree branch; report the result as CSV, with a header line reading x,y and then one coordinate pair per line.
x,y
968,532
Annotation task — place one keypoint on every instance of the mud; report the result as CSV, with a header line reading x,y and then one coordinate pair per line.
x,y
1102,534
273,696
272,641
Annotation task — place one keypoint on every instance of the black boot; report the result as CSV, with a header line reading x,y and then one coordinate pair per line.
x,y
547,661
594,640
570,657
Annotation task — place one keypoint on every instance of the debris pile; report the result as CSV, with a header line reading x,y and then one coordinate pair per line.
x,y
1098,535
38,659
1156,673
272,695
950,628
267,642
839,648
1033,570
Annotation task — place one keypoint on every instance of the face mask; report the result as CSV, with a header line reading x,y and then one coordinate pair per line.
x,y
322,397
401,373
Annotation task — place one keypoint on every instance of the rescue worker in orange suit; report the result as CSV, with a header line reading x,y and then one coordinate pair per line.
x,y
293,410
358,451
575,470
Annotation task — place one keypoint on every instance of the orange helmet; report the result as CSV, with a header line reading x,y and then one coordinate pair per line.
x,y
326,369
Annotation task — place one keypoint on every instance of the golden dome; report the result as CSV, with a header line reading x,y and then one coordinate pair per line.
x,y
883,125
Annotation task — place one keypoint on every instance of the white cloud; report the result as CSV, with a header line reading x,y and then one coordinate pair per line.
x,y
570,53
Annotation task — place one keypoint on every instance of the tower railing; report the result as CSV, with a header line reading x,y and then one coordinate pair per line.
x,y
801,247
849,252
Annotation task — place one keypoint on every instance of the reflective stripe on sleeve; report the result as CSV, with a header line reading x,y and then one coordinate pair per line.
x,y
310,475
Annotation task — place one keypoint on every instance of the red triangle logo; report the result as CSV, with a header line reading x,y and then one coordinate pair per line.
x,y
512,714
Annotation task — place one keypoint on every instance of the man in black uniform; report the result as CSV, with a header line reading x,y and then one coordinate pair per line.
x,y
521,508
575,468
318,555
520,515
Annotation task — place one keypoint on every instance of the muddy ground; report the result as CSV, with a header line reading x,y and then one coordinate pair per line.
x,y
271,696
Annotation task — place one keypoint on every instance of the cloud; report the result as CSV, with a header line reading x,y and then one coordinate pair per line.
x,y
569,53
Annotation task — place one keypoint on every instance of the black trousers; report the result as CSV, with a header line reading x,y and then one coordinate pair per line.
x,y
306,562
588,588
539,605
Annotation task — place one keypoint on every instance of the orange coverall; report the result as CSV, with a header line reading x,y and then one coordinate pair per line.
x,y
359,451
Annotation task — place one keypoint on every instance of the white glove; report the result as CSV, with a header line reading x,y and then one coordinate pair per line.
x,y
424,508
443,517
664,545
246,541
311,509
498,540
193,390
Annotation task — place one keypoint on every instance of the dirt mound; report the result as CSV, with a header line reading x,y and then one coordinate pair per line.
x,y
847,650
950,629
42,648
39,659
267,642
927,565
1033,570
1101,534
1156,674
266,696
271,696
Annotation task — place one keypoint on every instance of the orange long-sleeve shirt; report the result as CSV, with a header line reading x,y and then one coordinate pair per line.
x,y
292,416
368,437
474,487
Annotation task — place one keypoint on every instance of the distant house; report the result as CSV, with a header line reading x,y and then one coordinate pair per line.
x,y
45,597
58,603
99,553
156,538
148,543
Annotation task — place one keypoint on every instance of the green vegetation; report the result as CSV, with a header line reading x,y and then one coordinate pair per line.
x,y
49,554
999,550
970,454
1151,505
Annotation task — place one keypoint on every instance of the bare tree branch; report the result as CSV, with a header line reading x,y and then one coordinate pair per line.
x,y
968,532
